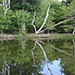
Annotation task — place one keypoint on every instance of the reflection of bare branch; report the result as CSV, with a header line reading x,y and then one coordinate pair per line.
x,y
33,52
6,68
44,56
42,42
73,31
61,51
73,41
74,46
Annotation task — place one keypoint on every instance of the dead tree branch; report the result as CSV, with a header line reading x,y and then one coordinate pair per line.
x,y
59,24
63,21
33,21
47,14
6,6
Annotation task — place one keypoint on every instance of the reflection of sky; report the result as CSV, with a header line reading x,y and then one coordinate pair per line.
x,y
55,68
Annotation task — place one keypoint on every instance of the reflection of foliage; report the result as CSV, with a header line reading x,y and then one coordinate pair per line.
x,y
68,66
13,52
18,55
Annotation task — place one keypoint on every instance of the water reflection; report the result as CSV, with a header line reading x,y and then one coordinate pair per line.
x,y
37,42
6,69
37,57
74,46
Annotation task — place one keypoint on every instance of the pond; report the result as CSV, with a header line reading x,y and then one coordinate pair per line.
x,y
37,57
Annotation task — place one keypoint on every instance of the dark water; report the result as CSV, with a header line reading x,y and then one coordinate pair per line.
x,y
37,57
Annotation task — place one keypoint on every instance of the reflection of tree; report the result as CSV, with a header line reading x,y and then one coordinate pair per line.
x,y
6,68
64,47
74,46
67,59
33,52
61,51
36,42
23,58
14,53
65,51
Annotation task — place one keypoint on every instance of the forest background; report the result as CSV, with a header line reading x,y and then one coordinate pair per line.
x,y
19,17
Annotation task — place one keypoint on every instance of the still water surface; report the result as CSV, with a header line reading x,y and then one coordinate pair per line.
x,y
37,57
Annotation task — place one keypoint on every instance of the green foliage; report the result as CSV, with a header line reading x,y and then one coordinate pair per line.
x,y
4,21
0,1
51,18
29,5
63,13
22,12
19,56
14,20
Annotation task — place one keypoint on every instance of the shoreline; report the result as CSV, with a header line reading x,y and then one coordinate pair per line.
x,y
11,36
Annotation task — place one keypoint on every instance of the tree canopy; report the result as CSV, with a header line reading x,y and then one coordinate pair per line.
x,y
58,12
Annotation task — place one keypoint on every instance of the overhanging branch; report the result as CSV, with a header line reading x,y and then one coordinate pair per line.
x,y
63,21
58,24
45,18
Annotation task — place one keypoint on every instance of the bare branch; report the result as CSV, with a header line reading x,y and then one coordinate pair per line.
x,y
42,42
42,31
57,24
33,21
63,21
6,7
45,18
